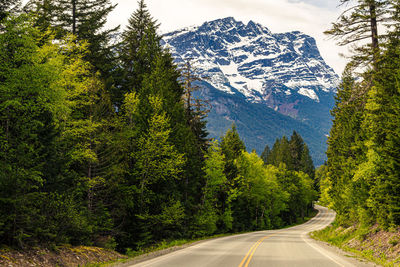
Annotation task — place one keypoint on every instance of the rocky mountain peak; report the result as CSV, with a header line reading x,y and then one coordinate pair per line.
x,y
247,59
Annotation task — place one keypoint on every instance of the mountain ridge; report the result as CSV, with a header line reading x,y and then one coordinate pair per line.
x,y
280,71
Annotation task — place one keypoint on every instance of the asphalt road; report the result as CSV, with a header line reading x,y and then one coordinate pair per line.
x,y
285,247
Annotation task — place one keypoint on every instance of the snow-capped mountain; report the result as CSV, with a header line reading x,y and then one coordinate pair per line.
x,y
279,78
250,60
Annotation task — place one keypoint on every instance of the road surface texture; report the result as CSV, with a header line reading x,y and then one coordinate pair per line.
x,y
286,247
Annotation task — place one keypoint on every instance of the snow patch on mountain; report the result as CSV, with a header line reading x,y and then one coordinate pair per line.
x,y
248,59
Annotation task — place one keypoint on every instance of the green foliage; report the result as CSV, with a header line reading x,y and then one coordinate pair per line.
x,y
86,20
260,199
294,153
265,154
232,147
324,185
381,169
371,249
361,181
85,162
35,104
157,159
7,7
209,212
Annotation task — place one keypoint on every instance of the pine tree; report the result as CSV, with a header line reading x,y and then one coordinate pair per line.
x,y
306,163
158,165
150,71
232,147
271,158
7,7
40,201
345,149
380,171
44,12
265,154
296,145
195,108
86,20
360,22
140,46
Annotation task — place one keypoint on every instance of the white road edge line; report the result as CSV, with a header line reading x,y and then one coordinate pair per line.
x,y
322,251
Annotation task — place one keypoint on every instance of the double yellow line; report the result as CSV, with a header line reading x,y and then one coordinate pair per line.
x,y
246,260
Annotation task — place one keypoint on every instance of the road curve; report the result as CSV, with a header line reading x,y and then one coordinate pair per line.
x,y
285,247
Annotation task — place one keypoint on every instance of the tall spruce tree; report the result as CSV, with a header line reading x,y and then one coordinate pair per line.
x,y
195,108
46,203
150,72
265,154
140,46
232,147
294,153
7,7
44,12
345,149
380,171
297,147
86,20
360,22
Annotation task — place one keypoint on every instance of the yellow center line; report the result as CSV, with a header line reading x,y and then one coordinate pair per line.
x,y
246,260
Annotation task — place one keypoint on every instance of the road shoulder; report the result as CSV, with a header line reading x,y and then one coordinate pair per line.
x,y
348,256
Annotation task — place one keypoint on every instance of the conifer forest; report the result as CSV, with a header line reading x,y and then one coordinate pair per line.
x,y
104,143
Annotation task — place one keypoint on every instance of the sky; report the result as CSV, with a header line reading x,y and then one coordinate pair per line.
x,y
312,17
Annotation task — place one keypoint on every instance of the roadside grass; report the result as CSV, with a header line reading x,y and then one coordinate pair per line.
x,y
355,239
164,245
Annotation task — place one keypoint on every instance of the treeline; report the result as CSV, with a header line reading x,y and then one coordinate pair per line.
x,y
102,142
361,179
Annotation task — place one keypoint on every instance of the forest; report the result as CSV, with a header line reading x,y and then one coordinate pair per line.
x,y
102,142
361,178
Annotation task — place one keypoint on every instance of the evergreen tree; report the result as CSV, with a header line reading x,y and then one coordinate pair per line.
x,y
380,171
158,165
86,20
44,12
297,147
265,154
232,147
45,204
7,6
194,107
306,163
294,153
360,22
140,46
345,149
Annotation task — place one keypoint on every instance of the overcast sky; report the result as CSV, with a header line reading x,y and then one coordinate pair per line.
x,y
309,16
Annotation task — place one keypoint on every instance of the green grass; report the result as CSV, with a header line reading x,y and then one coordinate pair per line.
x,y
339,237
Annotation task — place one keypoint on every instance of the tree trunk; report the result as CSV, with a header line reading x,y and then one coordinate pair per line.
x,y
374,32
74,17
